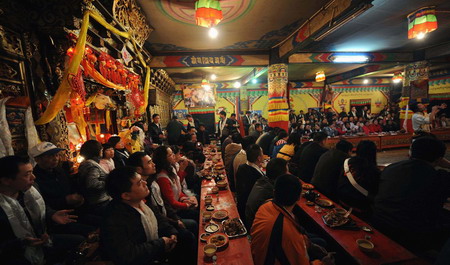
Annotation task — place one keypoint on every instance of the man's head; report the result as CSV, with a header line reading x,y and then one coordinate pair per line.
x,y
276,167
233,116
344,146
17,174
258,127
201,127
320,137
287,190
365,108
46,155
156,118
237,138
143,164
254,154
191,130
127,185
91,149
247,141
428,149
353,109
282,135
248,112
223,114
189,118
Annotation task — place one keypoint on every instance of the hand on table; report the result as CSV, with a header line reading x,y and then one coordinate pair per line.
x,y
62,217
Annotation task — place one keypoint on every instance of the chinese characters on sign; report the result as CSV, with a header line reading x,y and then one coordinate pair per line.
x,y
208,60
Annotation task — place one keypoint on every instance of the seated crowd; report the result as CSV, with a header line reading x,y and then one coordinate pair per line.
x,y
141,197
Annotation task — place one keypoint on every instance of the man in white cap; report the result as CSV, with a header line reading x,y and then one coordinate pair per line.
x,y
54,185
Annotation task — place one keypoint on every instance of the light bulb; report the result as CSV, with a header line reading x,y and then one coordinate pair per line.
x,y
213,77
254,81
421,35
237,84
213,33
365,81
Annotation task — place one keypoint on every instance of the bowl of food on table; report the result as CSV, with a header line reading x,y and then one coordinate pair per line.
x,y
365,245
221,184
220,215
207,215
211,228
204,237
220,240
307,186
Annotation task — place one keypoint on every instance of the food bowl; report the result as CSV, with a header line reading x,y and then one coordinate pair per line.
x,y
222,184
220,240
211,228
204,237
220,215
207,216
308,186
210,208
365,245
209,250
208,200
340,211
214,190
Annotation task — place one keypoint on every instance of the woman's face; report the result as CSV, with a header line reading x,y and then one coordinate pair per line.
x,y
170,156
177,156
109,153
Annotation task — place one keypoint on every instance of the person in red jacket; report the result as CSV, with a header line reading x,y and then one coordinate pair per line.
x,y
365,128
375,127
169,182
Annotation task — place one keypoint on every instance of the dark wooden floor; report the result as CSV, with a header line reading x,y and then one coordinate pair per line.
x,y
399,154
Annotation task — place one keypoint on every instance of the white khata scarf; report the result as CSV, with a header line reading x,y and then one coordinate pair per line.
x,y
5,133
20,224
149,222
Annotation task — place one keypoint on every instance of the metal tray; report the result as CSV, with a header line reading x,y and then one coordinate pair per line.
x,y
237,235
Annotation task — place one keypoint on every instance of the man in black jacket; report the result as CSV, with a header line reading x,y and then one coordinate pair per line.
x,y
246,176
132,233
192,123
411,194
203,135
155,130
174,130
263,188
310,156
265,140
330,167
247,121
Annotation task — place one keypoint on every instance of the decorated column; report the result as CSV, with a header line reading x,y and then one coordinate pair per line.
x,y
278,96
415,90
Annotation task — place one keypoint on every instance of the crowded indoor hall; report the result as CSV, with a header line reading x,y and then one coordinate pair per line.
x,y
230,132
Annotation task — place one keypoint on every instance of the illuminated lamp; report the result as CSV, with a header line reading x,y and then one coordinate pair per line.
x,y
320,76
70,51
205,85
208,13
421,22
397,78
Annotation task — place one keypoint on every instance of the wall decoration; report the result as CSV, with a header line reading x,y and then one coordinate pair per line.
x,y
180,113
197,96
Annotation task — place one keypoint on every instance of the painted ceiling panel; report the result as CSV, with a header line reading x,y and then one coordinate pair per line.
x,y
247,24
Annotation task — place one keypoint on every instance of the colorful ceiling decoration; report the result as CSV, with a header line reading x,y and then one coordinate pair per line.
x,y
184,11
208,13
421,22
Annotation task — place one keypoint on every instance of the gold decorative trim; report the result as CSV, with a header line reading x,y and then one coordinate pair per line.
x,y
130,15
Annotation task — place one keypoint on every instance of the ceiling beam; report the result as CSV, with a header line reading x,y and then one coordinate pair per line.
x,y
209,60
255,73
328,19
328,57
437,51
358,72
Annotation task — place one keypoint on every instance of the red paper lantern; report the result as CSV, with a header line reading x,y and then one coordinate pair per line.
x,y
70,51
208,13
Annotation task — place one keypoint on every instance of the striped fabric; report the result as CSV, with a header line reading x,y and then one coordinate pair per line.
x,y
422,20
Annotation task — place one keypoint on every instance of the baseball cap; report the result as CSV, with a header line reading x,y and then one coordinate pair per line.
x,y
44,148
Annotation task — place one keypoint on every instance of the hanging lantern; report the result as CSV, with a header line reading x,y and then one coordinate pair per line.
x,y
398,77
208,13
422,21
70,51
320,76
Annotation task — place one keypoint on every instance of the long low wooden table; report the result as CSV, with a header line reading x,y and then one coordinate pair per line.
x,y
386,251
238,251
385,141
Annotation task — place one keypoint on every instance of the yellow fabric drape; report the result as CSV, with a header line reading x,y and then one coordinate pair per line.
x,y
90,70
65,89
